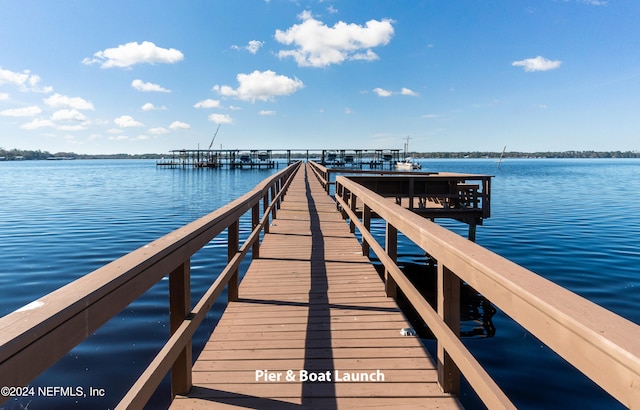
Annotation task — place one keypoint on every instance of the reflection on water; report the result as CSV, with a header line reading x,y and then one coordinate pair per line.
x,y
476,311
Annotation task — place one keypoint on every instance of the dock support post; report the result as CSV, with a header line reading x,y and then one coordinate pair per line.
x,y
179,309
449,311
472,230
366,221
232,249
391,246
411,192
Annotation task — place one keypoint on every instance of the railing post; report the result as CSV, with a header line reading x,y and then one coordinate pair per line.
x,y
232,248
366,221
345,194
327,177
391,246
275,205
179,309
278,189
265,206
352,203
449,311
255,221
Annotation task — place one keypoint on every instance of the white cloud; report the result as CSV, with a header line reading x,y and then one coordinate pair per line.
x,y
220,118
151,107
62,101
4,96
25,81
537,64
133,53
592,2
141,137
318,45
407,91
68,115
37,123
179,125
78,127
11,77
208,103
267,112
118,138
254,46
158,131
382,92
386,93
260,85
147,87
126,121
31,111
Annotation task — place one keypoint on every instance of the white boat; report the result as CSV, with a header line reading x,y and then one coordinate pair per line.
x,y
407,165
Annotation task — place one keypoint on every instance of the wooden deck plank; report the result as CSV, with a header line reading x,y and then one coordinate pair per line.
x,y
249,376
282,403
312,302
374,363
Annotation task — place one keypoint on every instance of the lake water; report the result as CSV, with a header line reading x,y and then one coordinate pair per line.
x,y
574,222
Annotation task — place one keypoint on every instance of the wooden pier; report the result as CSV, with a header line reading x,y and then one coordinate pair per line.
x,y
268,158
209,158
312,302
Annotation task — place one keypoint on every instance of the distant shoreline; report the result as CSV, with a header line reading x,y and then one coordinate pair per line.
x,y
25,155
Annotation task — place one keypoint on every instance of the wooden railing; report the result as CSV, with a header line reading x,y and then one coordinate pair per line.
x,y
38,335
602,345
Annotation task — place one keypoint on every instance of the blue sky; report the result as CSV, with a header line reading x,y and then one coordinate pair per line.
x,y
151,76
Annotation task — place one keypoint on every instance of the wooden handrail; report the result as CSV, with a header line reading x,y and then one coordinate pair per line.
x,y
599,343
38,335
322,173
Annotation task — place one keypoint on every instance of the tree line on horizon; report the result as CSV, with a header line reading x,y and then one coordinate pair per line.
x,y
17,154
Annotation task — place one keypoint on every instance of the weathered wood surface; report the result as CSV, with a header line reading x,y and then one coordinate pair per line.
x,y
312,302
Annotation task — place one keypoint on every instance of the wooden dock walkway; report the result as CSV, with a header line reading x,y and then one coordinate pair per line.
x,y
312,303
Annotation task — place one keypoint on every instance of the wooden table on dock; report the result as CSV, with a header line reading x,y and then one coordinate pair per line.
x,y
312,305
